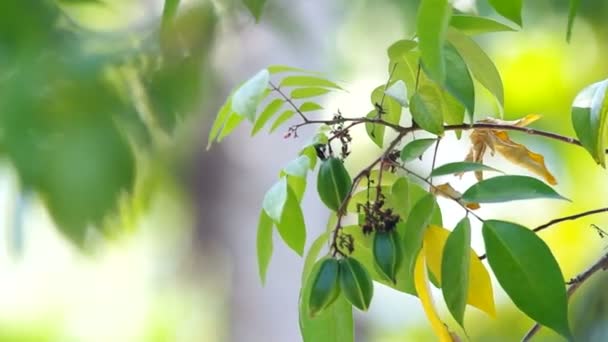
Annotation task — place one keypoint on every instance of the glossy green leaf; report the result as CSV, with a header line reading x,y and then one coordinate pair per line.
x,y
302,93
333,183
571,16
356,283
509,188
417,222
324,286
308,81
432,23
589,114
460,167
247,97
274,200
455,267
310,106
281,119
472,24
458,80
255,7
528,272
271,109
415,149
264,244
510,9
426,110
478,62
291,227
398,92
220,121
387,254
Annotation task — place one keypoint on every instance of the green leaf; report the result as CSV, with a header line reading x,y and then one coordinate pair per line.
x,y
478,62
169,9
417,222
589,113
509,188
313,253
391,112
399,198
334,324
356,283
298,167
387,254
271,109
247,97
400,48
264,244
281,119
425,107
432,23
234,120
302,93
571,15
310,106
274,200
333,183
255,7
398,92
455,265
277,69
405,67
291,227
458,80
460,167
510,9
324,286
528,272
415,149
472,24
219,122
308,81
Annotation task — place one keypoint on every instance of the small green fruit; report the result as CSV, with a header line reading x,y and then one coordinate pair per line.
x,y
333,183
356,283
325,287
387,254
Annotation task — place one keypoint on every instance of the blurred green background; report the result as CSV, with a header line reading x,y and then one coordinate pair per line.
x,y
117,225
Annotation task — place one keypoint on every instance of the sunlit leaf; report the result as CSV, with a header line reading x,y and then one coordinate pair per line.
x,y
455,268
400,48
271,109
416,148
234,120
308,81
302,93
510,9
281,119
334,324
375,131
219,122
278,68
391,112
313,253
264,244
274,200
432,23
309,107
509,188
424,293
291,227
528,272
589,113
398,92
472,24
247,97
478,62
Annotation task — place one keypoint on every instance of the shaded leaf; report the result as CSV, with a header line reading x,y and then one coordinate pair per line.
x,y
426,110
264,244
589,113
455,268
375,131
432,23
415,149
458,80
571,16
255,7
324,285
356,283
472,24
528,272
509,188
333,183
415,226
479,63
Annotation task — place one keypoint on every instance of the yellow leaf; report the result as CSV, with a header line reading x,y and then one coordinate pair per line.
x,y
447,191
522,122
518,154
421,282
480,294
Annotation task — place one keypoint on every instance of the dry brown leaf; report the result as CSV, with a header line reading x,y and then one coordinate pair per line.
x,y
447,191
499,141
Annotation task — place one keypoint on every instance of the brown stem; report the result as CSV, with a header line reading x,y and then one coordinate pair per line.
x,y
288,100
599,265
562,219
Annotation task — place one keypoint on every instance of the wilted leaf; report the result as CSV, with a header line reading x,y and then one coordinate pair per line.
x,y
447,191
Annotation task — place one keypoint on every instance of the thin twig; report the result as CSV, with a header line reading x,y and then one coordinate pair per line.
x,y
562,219
434,159
599,265
288,100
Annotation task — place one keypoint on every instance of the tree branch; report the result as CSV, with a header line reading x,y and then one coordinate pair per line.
x,y
288,100
599,265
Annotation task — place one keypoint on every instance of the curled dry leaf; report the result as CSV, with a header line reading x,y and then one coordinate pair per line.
x,y
499,141
447,191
